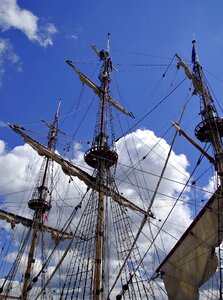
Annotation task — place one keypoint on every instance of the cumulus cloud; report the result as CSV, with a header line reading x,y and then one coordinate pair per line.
x,y
141,159
7,54
12,16
2,147
211,187
151,153
138,184
14,167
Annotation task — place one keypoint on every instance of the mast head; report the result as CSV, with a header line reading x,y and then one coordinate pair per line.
x,y
194,57
58,110
108,42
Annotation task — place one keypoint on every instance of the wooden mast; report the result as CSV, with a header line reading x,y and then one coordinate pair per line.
x,y
210,130
40,205
101,169
102,158
205,232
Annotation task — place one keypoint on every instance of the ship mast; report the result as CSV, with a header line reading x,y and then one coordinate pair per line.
x,y
181,275
210,130
88,274
104,210
101,157
40,204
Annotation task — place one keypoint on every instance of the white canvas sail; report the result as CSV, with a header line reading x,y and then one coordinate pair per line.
x,y
72,170
97,90
193,259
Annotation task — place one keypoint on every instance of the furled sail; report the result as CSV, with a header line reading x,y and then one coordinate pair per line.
x,y
14,219
193,259
72,170
97,90
197,85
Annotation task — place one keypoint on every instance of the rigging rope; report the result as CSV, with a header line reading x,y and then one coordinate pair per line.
x,y
67,249
146,115
141,54
145,218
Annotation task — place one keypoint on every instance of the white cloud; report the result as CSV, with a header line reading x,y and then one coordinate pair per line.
x,y
2,147
211,187
12,16
73,37
137,183
7,54
13,167
3,124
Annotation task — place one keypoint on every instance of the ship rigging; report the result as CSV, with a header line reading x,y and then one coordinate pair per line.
x,y
105,255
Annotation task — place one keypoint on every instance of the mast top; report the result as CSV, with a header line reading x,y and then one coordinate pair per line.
x,y
108,42
194,56
58,109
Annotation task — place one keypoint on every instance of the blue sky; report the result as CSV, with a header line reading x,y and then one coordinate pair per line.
x,y
38,38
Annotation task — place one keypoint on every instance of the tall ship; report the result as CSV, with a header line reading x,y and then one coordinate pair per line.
x,y
117,215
